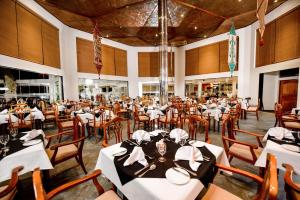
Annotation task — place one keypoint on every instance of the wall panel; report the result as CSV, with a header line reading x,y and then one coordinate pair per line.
x,y
85,56
192,62
121,62
144,64
209,59
108,60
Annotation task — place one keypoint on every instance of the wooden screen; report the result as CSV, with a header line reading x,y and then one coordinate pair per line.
x,y
108,60
8,27
192,62
144,64
154,64
51,51
223,47
209,59
121,62
85,56
287,45
29,35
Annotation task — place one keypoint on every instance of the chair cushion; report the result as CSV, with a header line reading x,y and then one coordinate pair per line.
x,y
66,124
143,118
163,119
252,109
108,195
49,116
215,192
10,195
244,151
63,152
285,117
294,125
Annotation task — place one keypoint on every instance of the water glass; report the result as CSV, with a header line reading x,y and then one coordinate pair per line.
x,y
13,132
139,141
4,140
182,142
162,149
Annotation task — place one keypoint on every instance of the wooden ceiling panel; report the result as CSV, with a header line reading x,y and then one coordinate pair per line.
x,y
135,22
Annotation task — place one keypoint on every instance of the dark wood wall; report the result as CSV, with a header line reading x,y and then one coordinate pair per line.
x,y
148,64
27,36
208,59
114,60
281,40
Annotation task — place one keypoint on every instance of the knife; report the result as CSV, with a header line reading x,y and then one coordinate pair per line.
x,y
139,171
189,171
174,168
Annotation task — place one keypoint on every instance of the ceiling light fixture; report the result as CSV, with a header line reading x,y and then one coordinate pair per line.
x,y
275,1
195,27
182,15
107,35
156,35
205,36
239,0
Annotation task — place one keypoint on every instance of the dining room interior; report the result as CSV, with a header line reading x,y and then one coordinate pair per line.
x,y
149,99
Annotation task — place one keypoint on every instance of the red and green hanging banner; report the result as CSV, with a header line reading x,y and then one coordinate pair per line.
x,y
232,45
97,48
262,6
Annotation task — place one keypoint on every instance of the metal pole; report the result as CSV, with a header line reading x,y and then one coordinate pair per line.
x,y
163,27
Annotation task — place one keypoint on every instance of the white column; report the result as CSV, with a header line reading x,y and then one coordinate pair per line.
x,y
69,61
133,80
298,98
199,88
179,82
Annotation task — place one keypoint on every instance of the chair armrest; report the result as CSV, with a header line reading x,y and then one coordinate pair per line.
x,y
55,146
288,177
242,143
93,176
254,177
12,183
59,134
249,133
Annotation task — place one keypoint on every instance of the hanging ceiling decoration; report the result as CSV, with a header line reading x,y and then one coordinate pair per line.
x,y
262,6
232,45
97,48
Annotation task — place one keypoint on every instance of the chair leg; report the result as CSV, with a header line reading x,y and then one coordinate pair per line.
x,y
276,121
230,158
257,115
80,161
95,134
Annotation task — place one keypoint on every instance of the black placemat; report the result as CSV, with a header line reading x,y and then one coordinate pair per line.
x,y
205,173
17,145
286,140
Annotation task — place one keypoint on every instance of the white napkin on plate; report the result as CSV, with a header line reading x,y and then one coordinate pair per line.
x,y
190,153
155,132
141,135
32,134
137,154
178,134
34,109
5,111
279,133
204,107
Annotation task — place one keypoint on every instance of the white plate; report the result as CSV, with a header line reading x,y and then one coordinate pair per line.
x,y
176,177
32,142
120,151
291,147
196,143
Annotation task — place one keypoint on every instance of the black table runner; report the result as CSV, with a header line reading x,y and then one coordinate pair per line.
x,y
17,145
286,140
205,172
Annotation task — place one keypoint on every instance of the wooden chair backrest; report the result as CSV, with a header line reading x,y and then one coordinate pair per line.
x,y
116,108
193,121
291,188
39,191
12,183
116,128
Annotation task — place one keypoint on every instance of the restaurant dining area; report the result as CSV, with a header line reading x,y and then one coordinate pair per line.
x,y
149,99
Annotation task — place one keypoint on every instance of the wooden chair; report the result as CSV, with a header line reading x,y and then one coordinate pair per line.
x,y
40,193
99,122
253,108
139,118
268,185
64,122
63,151
291,188
22,122
118,111
49,113
238,149
193,124
8,192
282,118
171,118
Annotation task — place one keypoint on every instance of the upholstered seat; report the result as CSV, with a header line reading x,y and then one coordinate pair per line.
x,y
108,195
50,117
63,152
252,109
215,193
143,118
286,117
17,124
66,124
292,125
244,151
163,119
10,195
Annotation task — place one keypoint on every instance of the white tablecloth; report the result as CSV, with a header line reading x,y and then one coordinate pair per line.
x,y
282,155
294,111
153,188
35,114
30,158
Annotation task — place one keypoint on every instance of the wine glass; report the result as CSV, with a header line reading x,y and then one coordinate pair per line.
x,y
139,141
13,132
162,149
182,141
4,140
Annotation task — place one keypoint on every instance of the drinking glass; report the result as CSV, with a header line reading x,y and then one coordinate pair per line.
x,y
163,134
182,142
162,149
13,132
139,142
4,140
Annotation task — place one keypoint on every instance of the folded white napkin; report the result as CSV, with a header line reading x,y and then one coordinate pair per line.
x,y
155,132
32,134
190,153
5,111
141,135
178,134
137,154
204,107
279,133
34,109
150,107
213,105
164,107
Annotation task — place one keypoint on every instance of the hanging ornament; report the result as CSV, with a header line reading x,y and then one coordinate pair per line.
x,y
97,48
262,6
232,44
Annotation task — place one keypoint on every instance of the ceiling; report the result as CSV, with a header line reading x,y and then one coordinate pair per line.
x,y
135,22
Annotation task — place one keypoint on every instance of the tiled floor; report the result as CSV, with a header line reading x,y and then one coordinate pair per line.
x,y
69,170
